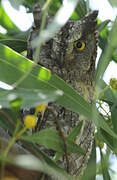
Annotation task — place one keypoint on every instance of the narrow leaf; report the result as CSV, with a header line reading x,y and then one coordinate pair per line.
x,y
6,22
42,79
114,117
30,98
113,3
15,44
104,166
51,139
102,25
109,140
75,132
90,171
106,56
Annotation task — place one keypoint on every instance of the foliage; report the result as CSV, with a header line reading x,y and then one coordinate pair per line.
x,y
31,81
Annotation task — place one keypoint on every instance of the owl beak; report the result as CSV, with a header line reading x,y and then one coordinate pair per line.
x,y
62,60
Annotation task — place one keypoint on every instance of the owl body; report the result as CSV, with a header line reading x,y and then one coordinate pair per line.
x,y
65,56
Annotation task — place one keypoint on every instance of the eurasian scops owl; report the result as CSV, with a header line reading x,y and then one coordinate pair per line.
x,y
71,54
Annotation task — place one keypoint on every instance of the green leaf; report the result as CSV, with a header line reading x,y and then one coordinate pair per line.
x,y
101,85
30,97
7,119
104,166
109,140
113,2
14,66
51,139
20,35
3,36
76,131
103,24
115,56
48,138
6,22
72,136
109,96
54,7
90,171
81,9
16,103
74,16
101,123
107,55
74,148
15,44
114,117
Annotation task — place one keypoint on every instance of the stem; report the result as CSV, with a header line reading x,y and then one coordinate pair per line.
x,y
21,132
12,141
62,136
17,127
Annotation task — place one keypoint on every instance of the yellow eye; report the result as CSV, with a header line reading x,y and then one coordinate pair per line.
x,y
80,45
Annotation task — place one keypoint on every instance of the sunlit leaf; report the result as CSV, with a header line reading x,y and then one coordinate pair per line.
x,y
13,63
6,22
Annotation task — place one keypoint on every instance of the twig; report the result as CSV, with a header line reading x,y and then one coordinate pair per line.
x,y
62,136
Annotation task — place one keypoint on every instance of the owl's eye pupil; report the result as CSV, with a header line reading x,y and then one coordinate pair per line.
x,y
79,44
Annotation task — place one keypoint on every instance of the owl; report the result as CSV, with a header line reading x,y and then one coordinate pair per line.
x,y
71,55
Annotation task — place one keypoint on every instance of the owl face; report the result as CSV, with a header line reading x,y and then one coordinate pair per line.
x,y
75,45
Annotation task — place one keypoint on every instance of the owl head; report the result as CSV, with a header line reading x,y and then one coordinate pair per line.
x,y
74,47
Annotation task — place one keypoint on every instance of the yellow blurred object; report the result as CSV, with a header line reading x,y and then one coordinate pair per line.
x,y
30,121
40,108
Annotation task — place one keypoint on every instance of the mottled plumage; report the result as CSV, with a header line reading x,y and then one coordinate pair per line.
x,y
71,55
